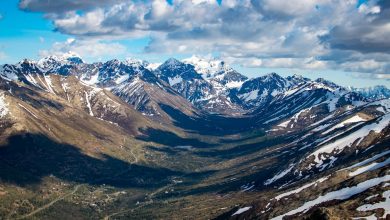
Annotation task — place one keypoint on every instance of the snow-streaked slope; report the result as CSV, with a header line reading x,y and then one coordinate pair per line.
x,y
324,152
383,205
295,191
353,119
340,194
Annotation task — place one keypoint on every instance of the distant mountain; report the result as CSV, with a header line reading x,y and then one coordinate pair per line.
x,y
145,93
376,92
61,65
208,93
217,71
258,91
210,85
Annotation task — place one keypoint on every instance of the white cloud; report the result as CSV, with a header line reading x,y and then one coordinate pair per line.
x,y
310,34
301,63
369,8
89,49
3,56
288,9
367,66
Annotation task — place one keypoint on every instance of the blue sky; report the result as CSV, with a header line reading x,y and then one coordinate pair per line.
x,y
314,38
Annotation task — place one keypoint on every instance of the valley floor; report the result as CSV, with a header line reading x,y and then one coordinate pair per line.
x,y
200,183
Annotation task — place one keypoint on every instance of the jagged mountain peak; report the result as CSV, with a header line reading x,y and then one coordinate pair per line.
x,y
272,76
66,58
175,68
60,64
171,63
115,72
204,62
27,62
208,67
116,65
28,66
113,62
217,72
325,82
298,77
136,62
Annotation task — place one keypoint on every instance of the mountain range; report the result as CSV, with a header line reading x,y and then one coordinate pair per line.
x,y
375,92
190,139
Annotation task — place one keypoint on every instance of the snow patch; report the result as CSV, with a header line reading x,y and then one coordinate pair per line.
x,y
284,124
31,79
242,210
252,95
153,66
364,162
234,84
49,83
121,79
370,167
279,175
92,81
351,120
175,80
87,97
3,106
295,191
31,113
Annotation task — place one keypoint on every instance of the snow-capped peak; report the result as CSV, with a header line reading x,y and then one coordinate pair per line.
x,y
70,55
28,62
297,79
208,67
273,75
135,62
172,62
320,82
48,61
54,61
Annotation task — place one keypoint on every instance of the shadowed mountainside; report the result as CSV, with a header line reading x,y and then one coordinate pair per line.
x,y
27,158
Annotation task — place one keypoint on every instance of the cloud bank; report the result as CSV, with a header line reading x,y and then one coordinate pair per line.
x,y
91,49
308,34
